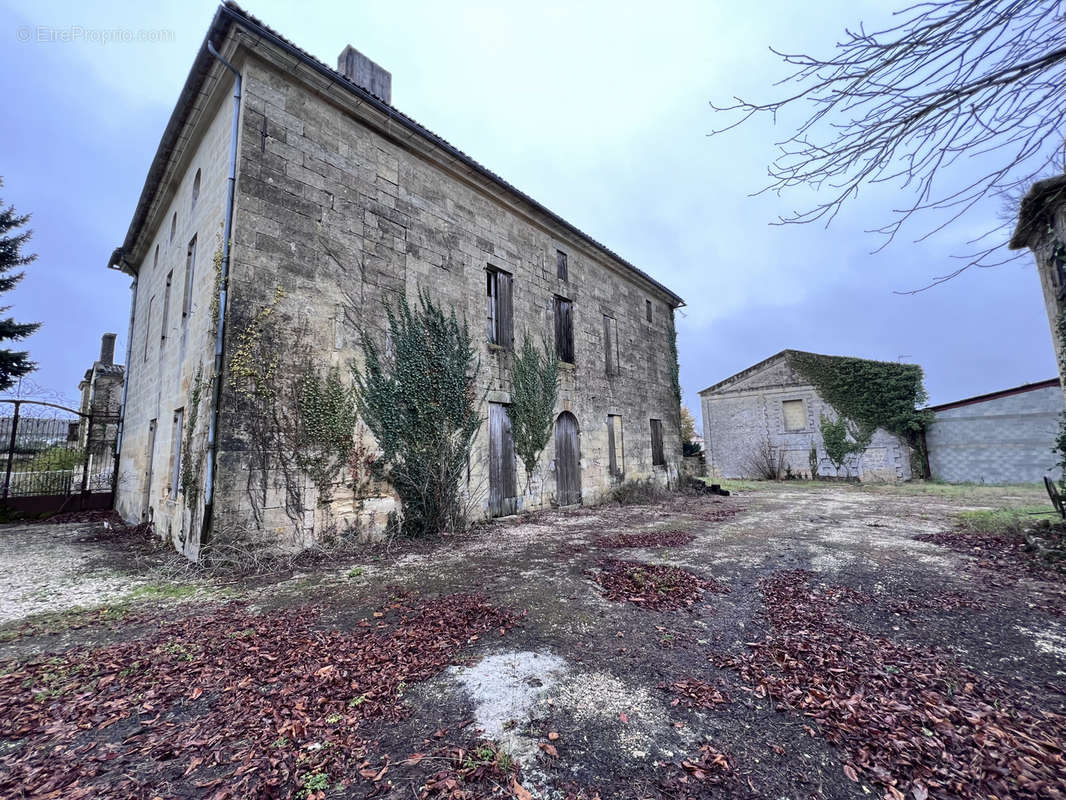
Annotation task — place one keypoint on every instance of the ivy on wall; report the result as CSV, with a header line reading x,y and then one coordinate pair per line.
x,y
324,435
873,394
420,402
534,386
192,456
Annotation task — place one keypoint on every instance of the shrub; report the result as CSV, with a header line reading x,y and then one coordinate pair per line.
x,y
420,403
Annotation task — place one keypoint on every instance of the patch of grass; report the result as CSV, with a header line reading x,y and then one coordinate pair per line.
x,y
356,572
1002,520
162,591
315,782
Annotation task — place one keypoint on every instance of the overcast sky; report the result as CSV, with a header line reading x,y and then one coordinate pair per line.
x,y
598,110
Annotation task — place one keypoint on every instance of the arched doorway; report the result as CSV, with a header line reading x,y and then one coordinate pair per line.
x,y
567,460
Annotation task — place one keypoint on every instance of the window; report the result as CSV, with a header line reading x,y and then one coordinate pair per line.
x,y
564,329
615,457
148,326
155,260
647,309
195,191
561,268
175,453
658,458
190,264
173,225
794,414
166,309
500,309
610,345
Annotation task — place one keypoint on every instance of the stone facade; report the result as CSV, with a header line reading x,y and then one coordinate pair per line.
x,y
1042,228
101,397
770,406
1003,437
340,210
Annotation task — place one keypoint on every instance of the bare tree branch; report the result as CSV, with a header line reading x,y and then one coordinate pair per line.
x,y
951,81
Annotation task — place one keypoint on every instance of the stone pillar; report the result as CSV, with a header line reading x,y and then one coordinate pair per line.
x,y
1042,228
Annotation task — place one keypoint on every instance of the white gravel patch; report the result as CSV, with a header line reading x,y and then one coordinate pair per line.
x,y
1050,640
43,568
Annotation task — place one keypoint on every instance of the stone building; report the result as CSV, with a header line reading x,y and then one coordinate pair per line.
x,y
1042,228
1000,437
101,397
769,412
342,204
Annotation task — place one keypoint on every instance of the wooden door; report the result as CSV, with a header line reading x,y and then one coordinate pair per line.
x,y
503,491
567,460
146,500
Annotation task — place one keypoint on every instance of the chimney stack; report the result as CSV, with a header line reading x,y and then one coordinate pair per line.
x,y
365,74
107,349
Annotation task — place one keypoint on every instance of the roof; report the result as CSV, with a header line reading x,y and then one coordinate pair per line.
x,y
776,357
228,14
1031,212
1025,387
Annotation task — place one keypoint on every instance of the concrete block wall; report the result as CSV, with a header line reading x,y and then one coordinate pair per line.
x,y
343,218
1000,440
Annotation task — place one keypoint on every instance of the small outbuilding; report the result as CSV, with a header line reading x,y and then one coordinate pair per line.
x,y
770,419
1000,437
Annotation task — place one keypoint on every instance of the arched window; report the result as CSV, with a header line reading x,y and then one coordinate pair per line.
x,y
195,190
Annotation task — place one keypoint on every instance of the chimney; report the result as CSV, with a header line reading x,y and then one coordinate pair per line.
x,y
107,349
365,74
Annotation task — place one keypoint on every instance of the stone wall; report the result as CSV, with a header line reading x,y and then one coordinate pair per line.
x,y
165,361
1000,440
747,415
342,218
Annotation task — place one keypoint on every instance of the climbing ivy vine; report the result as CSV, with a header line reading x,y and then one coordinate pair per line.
x,y
534,386
324,435
192,455
419,399
874,394
840,441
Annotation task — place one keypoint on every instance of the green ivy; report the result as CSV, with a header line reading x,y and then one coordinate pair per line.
x,y
534,385
326,429
675,365
420,402
838,445
872,394
1059,447
190,459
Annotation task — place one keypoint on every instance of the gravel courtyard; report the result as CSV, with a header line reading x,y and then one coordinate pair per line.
x,y
787,641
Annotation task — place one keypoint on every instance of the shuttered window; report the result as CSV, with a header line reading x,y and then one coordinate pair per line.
x,y
166,309
561,268
190,267
610,345
500,307
564,329
647,309
175,452
794,414
658,457
615,457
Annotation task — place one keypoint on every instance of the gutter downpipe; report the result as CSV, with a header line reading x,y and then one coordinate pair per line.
x,y
227,234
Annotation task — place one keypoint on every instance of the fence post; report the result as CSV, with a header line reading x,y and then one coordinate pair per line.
x,y
11,449
88,454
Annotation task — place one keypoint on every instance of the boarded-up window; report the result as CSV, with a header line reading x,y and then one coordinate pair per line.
x,y
166,309
561,268
190,267
148,326
610,345
175,452
615,458
564,329
795,416
658,457
647,309
499,307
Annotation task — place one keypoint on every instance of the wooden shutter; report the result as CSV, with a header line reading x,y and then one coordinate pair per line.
x,y
503,491
567,460
564,330
490,308
504,311
658,458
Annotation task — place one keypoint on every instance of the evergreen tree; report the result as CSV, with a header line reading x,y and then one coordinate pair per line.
x,y
13,363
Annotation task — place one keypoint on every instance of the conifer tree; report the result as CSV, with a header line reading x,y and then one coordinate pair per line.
x,y
13,363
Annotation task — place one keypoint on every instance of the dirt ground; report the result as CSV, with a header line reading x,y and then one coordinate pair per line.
x,y
502,666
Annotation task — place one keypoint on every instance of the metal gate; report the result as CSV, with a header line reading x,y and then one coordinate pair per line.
x,y
58,459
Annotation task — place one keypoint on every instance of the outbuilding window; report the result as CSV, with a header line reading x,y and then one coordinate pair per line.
x,y
794,414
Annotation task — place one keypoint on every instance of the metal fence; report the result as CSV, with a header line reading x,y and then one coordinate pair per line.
x,y
57,458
